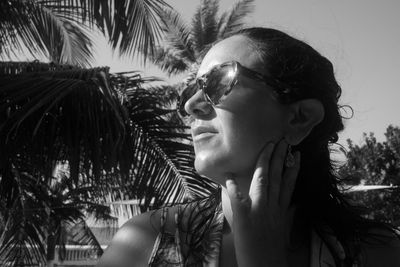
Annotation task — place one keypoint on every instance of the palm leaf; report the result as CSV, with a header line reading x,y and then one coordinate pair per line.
x,y
204,24
232,20
41,216
38,30
24,241
113,137
178,35
140,33
64,114
178,52
81,234
168,60
130,25
163,175
56,29
66,42
16,29
76,116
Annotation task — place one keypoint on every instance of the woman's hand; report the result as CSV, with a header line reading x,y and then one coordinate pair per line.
x,y
263,219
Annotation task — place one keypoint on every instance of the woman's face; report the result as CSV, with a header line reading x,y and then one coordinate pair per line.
x,y
238,127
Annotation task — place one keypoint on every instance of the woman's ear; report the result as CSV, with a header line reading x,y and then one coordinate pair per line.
x,y
304,116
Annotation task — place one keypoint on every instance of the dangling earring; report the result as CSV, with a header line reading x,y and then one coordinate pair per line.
x,y
289,161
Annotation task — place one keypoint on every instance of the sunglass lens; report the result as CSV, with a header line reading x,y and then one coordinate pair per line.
x,y
186,94
218,83
215,85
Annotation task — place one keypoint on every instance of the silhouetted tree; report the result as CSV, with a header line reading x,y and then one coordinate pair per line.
x,y
376,163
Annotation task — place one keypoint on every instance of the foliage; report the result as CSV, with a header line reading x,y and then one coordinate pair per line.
x,y
186,44
41,216
59,30
115,139
376,163
111,135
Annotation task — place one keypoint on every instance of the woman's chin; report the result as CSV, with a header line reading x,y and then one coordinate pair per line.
x,y
202,168
211,171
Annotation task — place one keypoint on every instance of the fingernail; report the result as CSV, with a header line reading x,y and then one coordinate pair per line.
x,y
230,176
231,180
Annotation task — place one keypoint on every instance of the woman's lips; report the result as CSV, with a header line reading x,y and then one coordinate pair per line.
x,y
201,132
202,136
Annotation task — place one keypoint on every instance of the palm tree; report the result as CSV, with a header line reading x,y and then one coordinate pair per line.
x,y
186,44
43,217
59,29
112,134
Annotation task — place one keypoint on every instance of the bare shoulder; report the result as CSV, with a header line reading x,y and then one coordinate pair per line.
x,y
133,243
381,248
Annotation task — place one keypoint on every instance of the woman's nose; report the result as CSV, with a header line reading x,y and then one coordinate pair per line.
x,y
197,105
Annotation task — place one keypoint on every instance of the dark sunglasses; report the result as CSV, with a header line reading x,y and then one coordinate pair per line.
x,y
219,82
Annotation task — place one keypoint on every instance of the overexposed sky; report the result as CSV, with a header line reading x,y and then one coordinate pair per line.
x,y
360,37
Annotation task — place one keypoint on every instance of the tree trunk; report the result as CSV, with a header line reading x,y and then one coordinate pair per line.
x,y
51,249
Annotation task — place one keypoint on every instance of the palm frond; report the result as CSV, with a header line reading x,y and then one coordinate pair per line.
x,y
27,25
170,61
82,234
110,135
232,21
41,216
204,24
104,125
16,29
157,177
64,114
167,94
130,25
178,35
136,26
24,240
66,42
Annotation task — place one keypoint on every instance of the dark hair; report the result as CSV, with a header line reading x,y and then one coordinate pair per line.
x,y
307,74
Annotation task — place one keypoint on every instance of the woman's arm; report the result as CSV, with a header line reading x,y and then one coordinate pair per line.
x,y
132,244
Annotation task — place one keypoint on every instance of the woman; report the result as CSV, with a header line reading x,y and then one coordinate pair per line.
x,y
264,112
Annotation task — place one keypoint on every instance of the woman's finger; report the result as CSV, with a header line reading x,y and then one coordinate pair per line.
x,y
260,180
240,204
242,224
289,182
275,171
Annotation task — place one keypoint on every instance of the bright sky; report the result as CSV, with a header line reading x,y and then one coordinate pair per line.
x,y
360,37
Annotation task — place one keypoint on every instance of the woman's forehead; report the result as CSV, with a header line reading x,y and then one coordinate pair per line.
x,y
235,48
